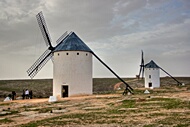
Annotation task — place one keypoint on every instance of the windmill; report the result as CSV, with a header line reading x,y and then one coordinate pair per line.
x,y
141,71
152,73
72,63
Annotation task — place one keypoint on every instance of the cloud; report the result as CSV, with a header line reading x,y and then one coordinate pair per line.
x,y
152,36
18,11
115,30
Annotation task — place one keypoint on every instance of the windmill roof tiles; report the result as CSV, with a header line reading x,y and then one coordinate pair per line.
x,y
151,64
72,43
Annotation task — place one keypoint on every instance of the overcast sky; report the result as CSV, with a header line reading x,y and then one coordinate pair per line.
x,y
116,30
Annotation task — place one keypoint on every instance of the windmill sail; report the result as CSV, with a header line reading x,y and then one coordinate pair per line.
x,y
40,62
44,29
62,37
140,71
142,65
47,55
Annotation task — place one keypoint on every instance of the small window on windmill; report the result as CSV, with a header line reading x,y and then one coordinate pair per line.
x,y
86,54
149,76
58,54
67,53
77,53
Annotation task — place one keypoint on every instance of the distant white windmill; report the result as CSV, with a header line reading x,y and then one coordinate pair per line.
x,y
152,73
72,63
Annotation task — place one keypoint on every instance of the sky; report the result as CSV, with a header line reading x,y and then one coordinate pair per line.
x,y
116,30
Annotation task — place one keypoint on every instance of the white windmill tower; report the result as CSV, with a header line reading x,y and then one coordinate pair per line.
x,y
72,70
152,73
72,63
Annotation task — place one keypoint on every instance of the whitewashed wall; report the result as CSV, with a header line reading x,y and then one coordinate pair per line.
x,y
155,77
73,70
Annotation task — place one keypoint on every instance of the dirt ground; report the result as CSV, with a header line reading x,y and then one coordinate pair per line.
x,y
27,115
32,109
106,110
118,85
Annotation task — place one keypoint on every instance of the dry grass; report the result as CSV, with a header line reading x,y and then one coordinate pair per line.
x,y
166,106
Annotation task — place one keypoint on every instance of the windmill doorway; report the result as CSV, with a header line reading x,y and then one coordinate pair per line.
x,y
150,84
64,91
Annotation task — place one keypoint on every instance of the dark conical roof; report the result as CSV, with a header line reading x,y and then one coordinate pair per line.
x,y
151,64
72,43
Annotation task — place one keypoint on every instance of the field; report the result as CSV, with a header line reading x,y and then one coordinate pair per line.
x,y
107,107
